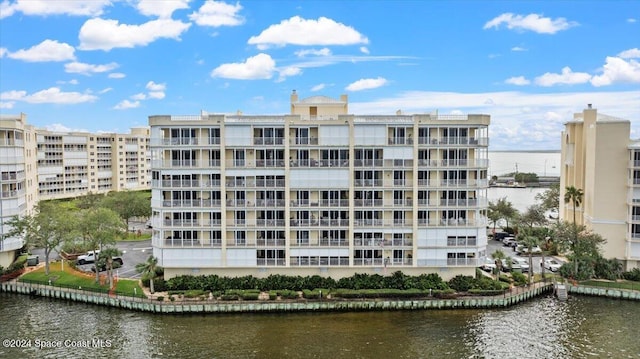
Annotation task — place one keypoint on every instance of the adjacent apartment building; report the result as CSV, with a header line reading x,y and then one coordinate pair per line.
x,y
599,158
37,164
319,191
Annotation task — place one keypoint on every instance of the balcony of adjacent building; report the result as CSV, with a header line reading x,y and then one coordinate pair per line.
x,y
319,261
303,136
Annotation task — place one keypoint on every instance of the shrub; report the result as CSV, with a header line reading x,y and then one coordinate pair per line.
x,y
172,298
249,295
229,297
160,298
273,295
17,265
288,294
519,278
633,275
461,283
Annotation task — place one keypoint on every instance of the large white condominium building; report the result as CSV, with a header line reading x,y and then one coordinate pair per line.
x,y
599,158
319,191
36,164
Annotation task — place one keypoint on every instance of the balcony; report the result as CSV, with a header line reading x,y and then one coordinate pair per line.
x,y
270,262
270,203
333,203
401,141
303,141
368,262
466,262
270,222
367,182
191,203
269,163
367,202
268,141
368,163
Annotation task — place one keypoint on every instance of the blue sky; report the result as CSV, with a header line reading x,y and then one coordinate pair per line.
x,y
102,65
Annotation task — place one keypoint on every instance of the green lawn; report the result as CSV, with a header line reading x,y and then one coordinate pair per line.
x,y
623,284
69,278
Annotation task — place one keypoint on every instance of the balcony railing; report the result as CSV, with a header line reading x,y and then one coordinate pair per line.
x,y
272,242
270,262
268,140
304,141
367,182
367,202
191,203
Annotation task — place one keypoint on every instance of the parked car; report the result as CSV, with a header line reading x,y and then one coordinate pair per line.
x,y
509,241
489,265
523,263
508,265
89,257
551,264
524,250
499,236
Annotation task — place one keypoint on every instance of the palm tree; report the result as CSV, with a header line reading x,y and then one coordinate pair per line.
x,y
498,256
107,255
529,242
149,269
574,195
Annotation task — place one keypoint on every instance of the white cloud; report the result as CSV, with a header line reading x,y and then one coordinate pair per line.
x,y
158,95
71,82
152,86
321,52
299,31
88,69
631,20
162,9
567,77
139,96
59,7
630,54
259,67
7,105
3,51
364,50
318,87
617,70
366,84
101,34
531,22
288,72
50,95
126,104
13,95
105,90
515,116
60,128
518,48
117,75
48,50
517,80
217,13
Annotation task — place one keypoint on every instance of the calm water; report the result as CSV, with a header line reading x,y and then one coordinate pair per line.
x,y
543,328
544,163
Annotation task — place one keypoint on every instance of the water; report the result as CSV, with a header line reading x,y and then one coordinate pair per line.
x,y
521,198
542,328
543,163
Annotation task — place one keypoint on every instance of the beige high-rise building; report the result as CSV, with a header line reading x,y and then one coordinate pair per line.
x,y
18,178
76,163
37,164
599,158
319,191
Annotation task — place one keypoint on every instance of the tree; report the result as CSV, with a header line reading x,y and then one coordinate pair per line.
x,y
149,269
90,200
45,228
107,255
530,241
498,256
574,195
533,216
101,227
550,199
128,204
506,210
583,244
493,214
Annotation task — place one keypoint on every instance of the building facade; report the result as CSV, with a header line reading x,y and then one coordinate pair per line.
x,y
319,191
598,157
36,164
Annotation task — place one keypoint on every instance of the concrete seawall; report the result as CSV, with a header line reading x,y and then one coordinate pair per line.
x,y
147,305
604,292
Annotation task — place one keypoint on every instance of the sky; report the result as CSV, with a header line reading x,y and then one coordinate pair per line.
x,y
106,65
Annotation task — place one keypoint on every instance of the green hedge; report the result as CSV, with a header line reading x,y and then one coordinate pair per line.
x,y
396,280
379,293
